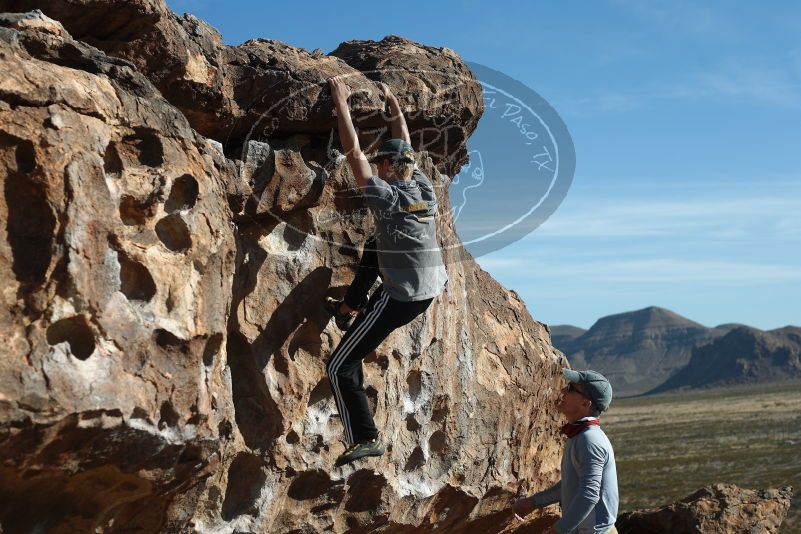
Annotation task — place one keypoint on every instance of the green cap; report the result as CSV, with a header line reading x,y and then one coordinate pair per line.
x,y
396,149
596,386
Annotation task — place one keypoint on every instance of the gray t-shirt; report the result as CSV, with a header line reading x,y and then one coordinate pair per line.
x,y
409,257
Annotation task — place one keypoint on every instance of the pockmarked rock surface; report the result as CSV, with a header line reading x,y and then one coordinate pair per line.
x,y
266,89
165,344
718,509
117,256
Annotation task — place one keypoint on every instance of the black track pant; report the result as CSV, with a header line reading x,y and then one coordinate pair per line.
x,y
382,315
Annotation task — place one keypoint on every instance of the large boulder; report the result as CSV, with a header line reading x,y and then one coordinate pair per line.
x,y
165,344
116,259
267,89
718,509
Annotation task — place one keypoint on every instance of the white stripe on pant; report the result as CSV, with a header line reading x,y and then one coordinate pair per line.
x,y
342,353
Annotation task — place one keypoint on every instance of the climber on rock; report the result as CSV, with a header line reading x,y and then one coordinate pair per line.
x,y
404,252
587,491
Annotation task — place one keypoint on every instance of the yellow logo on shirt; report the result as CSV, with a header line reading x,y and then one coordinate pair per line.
x,y
417,206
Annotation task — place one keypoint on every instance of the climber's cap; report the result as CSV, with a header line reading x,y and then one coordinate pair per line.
x,y
596,386
395,149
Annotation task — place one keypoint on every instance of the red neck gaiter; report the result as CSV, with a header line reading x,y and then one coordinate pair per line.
x,y
574,429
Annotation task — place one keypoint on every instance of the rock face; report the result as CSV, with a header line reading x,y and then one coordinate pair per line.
x,y
165,344
743,356
117,258
266,89
438,92
718,509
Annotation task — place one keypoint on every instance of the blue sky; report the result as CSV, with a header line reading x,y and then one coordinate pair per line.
x,y
685,119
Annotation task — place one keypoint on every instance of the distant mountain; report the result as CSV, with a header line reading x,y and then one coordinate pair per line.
x,y
743,356
561,334
638,350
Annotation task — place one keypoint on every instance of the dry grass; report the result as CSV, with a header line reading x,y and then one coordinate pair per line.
x,y
667,446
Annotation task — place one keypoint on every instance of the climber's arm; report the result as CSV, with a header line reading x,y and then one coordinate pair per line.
x,y
526,505
396,119
347,133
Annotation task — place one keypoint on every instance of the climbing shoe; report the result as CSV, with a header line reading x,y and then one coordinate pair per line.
x,y
342,320
360,450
